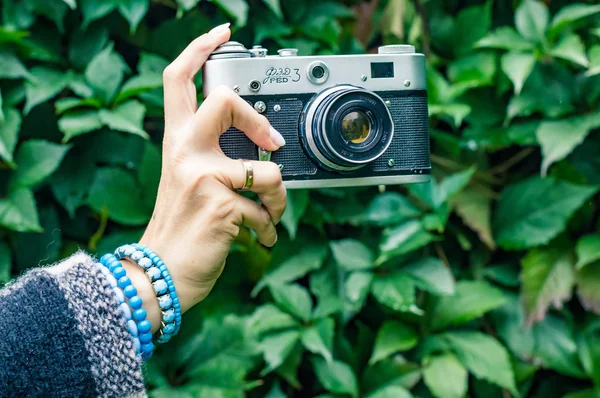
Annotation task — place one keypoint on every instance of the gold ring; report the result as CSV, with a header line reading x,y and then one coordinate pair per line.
x,y
249,170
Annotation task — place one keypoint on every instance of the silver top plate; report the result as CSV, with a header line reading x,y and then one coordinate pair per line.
x,y
289,75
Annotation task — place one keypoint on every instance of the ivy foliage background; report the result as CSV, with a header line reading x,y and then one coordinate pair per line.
x,y
484,283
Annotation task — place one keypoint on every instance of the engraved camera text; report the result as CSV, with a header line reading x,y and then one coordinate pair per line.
x,y
281,75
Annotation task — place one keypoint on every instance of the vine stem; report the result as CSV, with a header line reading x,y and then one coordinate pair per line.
x,y
441,254
451,164
95,238
504,166
426,33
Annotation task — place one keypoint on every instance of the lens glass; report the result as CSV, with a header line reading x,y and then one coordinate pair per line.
x,y
318,72
356,127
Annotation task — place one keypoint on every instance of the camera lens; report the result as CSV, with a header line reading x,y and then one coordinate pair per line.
x,y
356,127
318,72
345,128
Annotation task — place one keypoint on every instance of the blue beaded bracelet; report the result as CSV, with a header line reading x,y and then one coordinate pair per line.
x,y
163,286
138,326
175,315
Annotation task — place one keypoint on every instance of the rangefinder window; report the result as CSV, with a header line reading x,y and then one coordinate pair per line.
x,y
381,70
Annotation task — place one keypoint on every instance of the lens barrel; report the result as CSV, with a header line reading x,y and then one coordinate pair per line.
x,y
346,127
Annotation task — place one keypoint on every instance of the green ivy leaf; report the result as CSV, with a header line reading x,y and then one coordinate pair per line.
x,y
297,203
571,48
79,122
106,194
393,337
445,376
11,67
336,376
588,250
309,259
588,287
9,132
36,160
65,104
505,38
548,278
71,182
54,11
533,211
289,368
570,14
396,290
457,112
475,210
185,5
518,67
431,275
402,239
393,371
484,357
46,84
531,20
294,299
559,138
475,70
391,391
557,83
389,209
95,9
436,194
352,255
556,347
104,74
151,64
275,7
589,351
471,300
277,348
357,286
509,322
85,44
318,338
80,87
268,318
470,25
133,11
139,84
18,211
127,117
238,9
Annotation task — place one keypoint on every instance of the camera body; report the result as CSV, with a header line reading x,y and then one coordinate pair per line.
x,y
348,120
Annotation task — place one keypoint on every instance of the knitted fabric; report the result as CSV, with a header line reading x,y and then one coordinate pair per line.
x,y
64,335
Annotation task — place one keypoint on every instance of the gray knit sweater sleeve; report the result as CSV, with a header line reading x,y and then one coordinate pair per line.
x,y
63,335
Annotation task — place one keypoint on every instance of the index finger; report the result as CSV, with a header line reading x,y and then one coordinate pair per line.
x,y
222,109
178,77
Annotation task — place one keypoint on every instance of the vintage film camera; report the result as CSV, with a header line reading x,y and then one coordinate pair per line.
x,y
348,120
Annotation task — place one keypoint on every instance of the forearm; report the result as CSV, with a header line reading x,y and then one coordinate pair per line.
x,y
63,334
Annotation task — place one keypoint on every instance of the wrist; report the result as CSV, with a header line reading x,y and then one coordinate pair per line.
x,y
189,291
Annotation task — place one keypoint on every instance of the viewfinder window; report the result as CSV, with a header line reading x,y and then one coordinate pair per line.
x,y
381,70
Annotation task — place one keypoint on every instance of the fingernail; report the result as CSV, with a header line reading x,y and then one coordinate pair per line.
x,y
217,30
277,138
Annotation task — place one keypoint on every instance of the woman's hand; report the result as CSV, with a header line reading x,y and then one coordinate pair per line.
x,y
198,212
